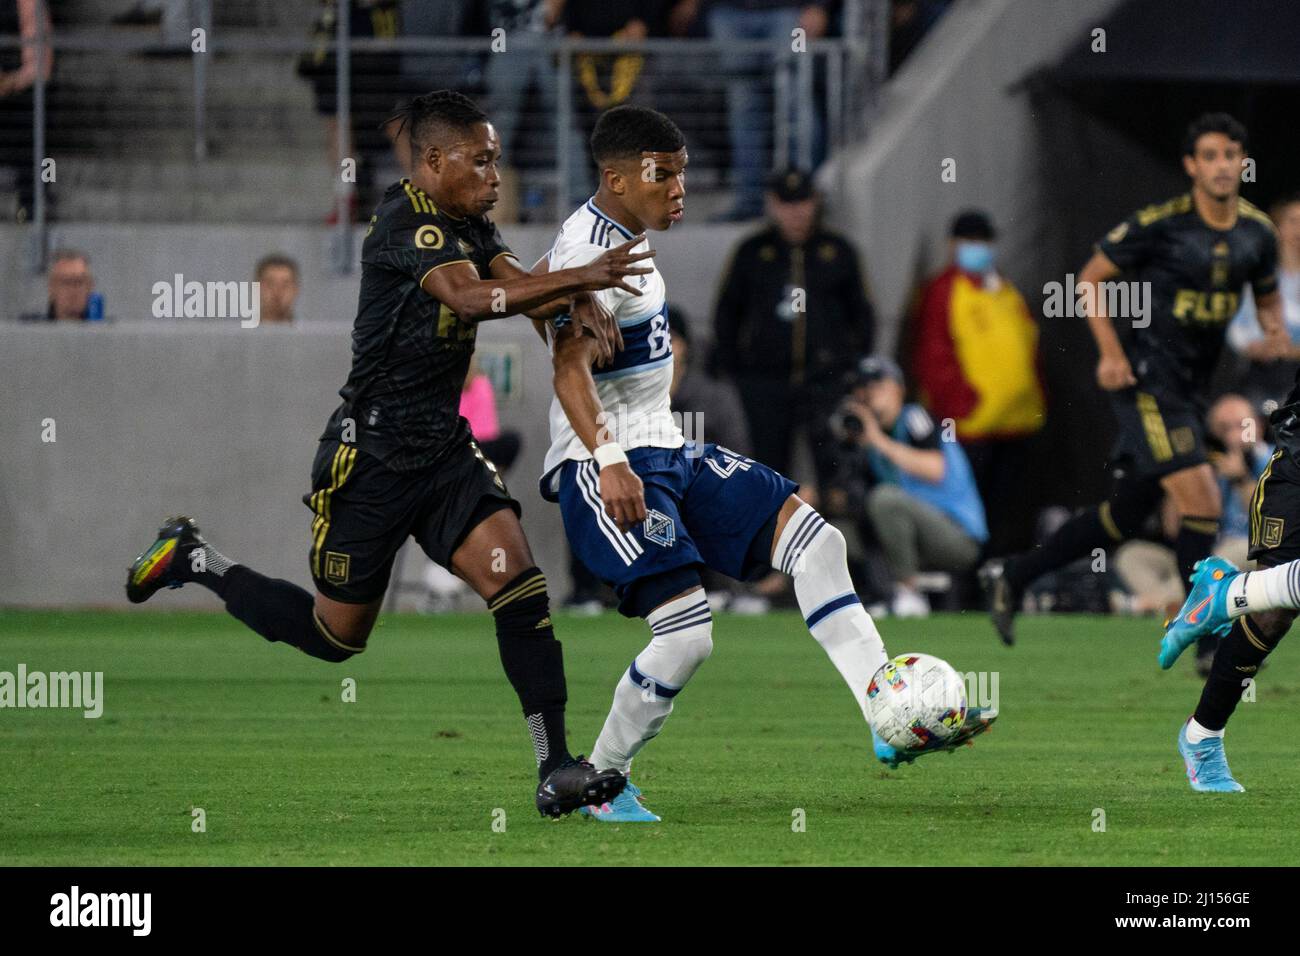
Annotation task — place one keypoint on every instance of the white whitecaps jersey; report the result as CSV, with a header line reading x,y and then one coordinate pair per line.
x,y
634,389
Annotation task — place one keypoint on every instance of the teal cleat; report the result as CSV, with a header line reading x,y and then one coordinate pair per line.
x,y
625,808
978,720
1204,612
1207,766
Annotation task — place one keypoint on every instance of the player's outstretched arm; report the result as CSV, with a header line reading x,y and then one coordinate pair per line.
x,y
586,312
459,287
620,489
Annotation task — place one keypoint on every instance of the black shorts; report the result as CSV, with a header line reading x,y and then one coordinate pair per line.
x,y
365,512
1275,513
1159,433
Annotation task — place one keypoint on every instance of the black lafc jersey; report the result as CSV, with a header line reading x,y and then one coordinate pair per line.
x,y
410,352
1196,275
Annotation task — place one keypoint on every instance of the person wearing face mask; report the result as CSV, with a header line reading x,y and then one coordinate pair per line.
x,y
975,360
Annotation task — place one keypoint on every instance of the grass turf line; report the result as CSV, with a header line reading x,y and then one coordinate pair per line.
x,y
201,713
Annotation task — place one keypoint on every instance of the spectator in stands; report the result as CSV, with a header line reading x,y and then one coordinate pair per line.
x,y
923,508
374,94
18,72
509,74
975,361
72,293
1265,377
747,73
709,407
277,277
605,80
792,316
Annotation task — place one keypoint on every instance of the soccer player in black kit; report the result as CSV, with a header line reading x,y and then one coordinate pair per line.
x,y
1197,251
397,460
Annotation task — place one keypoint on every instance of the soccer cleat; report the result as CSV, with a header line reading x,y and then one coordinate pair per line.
x,y
1003,600
1207,765
1204,612
625,808
978,720
576,783
155,568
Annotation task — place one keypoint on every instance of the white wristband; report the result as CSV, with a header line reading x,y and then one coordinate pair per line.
x,y
610,453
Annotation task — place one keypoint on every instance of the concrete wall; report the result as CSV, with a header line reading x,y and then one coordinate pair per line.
x,y
128,258
213,421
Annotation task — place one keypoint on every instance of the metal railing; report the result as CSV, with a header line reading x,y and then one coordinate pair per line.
x,y
821,94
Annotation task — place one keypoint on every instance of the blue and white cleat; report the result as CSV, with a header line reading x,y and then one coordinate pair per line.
x,y
625,808
1204,612
978,720
1207,765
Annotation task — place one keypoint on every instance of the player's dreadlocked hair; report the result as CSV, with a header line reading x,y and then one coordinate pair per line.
x,y
430,116
625,132
1213,123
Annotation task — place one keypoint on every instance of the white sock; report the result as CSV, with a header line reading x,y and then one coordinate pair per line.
x,y
813,552
643,699
1266,590
1196,733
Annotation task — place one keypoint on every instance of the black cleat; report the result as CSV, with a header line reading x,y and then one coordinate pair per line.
x,y
576,783
155,568
1003,601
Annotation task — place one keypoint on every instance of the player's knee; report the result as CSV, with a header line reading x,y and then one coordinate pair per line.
x,y
340,644
523,607
695,645
1272,625
826,551
1124,513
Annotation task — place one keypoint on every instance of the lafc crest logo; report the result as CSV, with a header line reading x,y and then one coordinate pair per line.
x,y
428,237
1273,529
337,567
659,528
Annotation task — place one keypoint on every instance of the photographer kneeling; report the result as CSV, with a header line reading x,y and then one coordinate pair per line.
x,y
922,503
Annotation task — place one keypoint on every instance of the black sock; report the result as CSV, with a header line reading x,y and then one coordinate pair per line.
x,y
1077,537
1196,537
534,663
280,611
204,565
1238,658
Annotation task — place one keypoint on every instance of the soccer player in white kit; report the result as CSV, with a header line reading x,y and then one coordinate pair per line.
x,y
643,507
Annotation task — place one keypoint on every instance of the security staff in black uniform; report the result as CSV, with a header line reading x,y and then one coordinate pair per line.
x,y
792,317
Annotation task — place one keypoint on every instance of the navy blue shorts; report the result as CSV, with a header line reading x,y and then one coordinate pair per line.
x,y
704,506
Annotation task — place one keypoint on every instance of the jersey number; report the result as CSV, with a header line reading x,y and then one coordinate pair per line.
x,y
660,338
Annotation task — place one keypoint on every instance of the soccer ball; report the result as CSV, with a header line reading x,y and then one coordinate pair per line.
x,y
915,700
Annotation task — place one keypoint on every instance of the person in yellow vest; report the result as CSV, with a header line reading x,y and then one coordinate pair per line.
x,y
975,360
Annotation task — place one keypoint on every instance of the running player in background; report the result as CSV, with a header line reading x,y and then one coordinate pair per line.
x,y
1197,252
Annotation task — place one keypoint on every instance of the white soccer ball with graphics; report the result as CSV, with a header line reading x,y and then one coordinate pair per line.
x,y
915,700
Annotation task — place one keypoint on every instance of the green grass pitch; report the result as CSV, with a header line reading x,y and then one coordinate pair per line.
x,y
200,713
